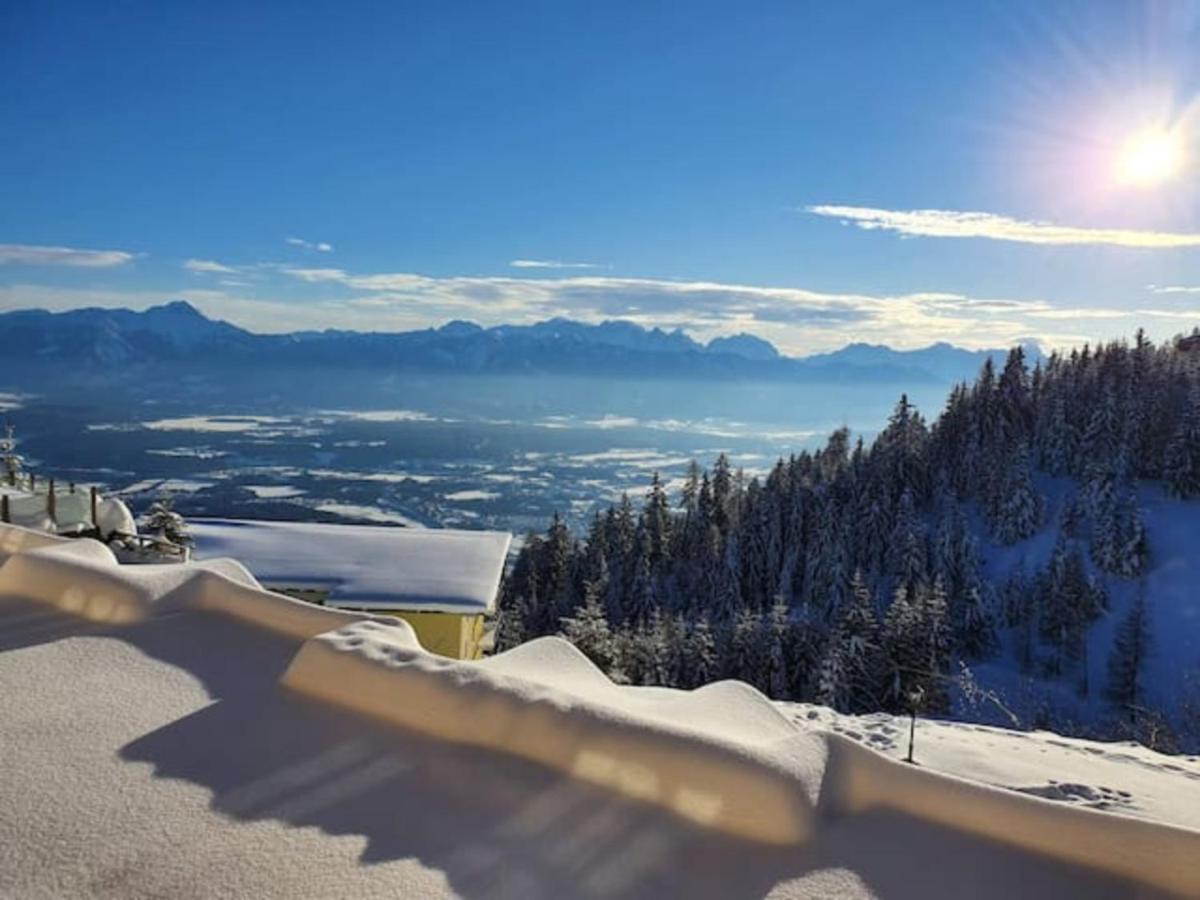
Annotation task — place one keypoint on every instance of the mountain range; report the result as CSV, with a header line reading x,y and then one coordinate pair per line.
x,y
177,335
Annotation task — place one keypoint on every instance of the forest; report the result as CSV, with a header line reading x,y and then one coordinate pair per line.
x,y
853,576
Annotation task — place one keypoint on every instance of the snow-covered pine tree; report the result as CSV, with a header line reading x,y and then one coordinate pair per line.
x,y
162,520
1018,510
701,662
1181,462
852,673
773,634
1126,664
588,628
745,660
11,462
907,548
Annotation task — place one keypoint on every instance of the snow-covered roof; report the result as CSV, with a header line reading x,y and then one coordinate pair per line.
x,y
365,566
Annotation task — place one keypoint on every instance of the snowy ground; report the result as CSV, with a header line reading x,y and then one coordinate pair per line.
x,y
1125,778
177,732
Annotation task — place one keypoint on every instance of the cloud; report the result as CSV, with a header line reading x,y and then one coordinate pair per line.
x,y
951,224
208,265
319,246
29,255
550,264
1172,289
796,319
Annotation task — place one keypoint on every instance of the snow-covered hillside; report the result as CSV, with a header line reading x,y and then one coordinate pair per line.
x,y
1031,556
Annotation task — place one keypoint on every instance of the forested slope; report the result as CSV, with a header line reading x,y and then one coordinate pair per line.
x,y
1042,532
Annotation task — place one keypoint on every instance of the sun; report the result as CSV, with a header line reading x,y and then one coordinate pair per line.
x,y
1149,158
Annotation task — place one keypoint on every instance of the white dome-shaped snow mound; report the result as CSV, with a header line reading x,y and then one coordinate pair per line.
x,y
709,761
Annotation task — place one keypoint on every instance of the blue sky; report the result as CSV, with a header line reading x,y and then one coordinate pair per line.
x,y
813,173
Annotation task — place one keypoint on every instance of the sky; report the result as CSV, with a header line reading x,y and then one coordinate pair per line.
x,y
813,173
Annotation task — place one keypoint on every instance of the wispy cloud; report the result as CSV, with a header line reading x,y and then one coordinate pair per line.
x,y
319,246
208,266
1173,289
947,223
31,255
550,264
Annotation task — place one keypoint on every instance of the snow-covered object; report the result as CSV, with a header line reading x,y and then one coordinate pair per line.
x,y
28,510
365,566
82,576
722,757
73,511
114,517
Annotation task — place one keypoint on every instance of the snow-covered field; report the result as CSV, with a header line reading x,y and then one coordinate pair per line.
x,y
170,732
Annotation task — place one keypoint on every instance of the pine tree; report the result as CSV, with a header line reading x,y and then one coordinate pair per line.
x,y
1018,508
773,635
1126,665
588,628
1181,463
908,558
701,663
162,520
853,669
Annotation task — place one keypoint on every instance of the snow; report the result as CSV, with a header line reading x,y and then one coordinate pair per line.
x,y
385,477
371,513
143,714
273,491
216,424
382,415
472,495
363,565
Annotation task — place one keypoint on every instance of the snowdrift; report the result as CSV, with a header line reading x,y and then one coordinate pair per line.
x,y
83,577
723,756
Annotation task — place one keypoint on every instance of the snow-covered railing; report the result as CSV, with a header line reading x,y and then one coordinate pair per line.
x,y
37,504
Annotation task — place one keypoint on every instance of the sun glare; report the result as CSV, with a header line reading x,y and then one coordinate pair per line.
x,y
1150,157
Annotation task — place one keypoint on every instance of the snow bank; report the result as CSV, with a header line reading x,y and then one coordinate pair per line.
x,y
81,576
722,756
1165,857
435,570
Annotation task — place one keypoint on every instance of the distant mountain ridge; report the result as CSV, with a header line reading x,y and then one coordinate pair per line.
x,y
178,334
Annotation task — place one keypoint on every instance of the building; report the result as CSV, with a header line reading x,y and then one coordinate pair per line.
x,y
442,582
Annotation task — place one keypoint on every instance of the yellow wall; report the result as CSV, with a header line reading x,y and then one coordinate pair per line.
x,y
445,633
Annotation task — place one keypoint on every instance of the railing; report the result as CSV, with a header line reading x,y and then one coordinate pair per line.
x,y
72,512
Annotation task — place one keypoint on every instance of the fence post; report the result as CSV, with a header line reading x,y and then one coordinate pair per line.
x,y
4,508
51,503
32,482
95,522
